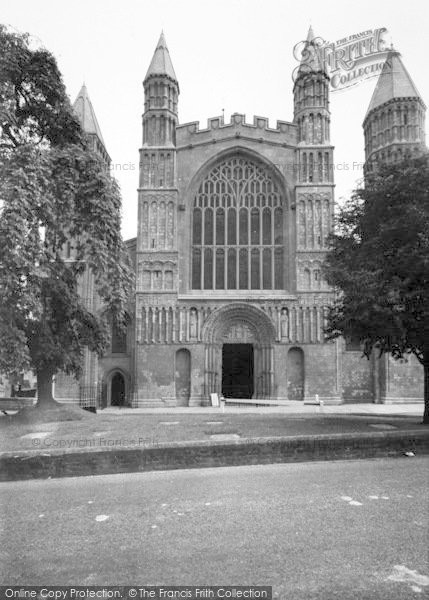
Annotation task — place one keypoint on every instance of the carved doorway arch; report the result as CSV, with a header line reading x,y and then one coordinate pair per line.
x,y
239,323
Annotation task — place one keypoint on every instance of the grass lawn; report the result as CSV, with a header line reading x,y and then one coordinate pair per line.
x,y
143,429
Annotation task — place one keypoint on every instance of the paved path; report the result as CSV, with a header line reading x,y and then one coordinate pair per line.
x,y
402,409
326,531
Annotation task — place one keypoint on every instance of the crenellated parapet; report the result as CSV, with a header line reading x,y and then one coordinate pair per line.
x,y
189,134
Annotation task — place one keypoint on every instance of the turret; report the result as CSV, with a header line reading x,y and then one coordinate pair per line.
x,y
86,115
311,114
314,190
88,382
161,91
157,194
394,125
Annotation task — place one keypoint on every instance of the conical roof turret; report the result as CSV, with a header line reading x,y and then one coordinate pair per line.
x,y
161,62
86,114
394,125
310,34
394,82
311,58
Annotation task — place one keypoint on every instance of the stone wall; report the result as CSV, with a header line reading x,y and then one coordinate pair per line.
x,y
357,377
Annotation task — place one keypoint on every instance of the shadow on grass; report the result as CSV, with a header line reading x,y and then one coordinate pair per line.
x,y
53,412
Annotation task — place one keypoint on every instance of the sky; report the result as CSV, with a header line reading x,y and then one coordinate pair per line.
x,y
229,56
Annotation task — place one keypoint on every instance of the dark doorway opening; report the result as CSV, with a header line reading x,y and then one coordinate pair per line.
x,y
237,370
117,397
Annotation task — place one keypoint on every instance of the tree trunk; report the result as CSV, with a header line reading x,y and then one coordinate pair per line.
x,y
426,390
44,388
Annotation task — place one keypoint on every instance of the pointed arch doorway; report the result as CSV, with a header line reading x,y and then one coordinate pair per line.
x,y
117,390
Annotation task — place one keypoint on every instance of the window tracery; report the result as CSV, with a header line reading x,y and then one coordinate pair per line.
x,y
237,232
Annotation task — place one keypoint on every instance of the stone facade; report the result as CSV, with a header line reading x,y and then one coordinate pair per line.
x,y
231,236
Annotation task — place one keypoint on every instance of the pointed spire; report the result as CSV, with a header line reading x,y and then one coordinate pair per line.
x,y
161,62
86,114
310,35
393,82
311,60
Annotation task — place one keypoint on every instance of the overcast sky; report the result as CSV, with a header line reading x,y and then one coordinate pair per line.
x,y
231,55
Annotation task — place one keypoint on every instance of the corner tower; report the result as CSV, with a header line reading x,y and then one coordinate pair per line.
x,y
314,172
157,183
311,114
88,387
156,254
394,128
161,91
394,125
84,111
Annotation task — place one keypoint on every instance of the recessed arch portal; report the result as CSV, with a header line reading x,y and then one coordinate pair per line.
x,y
248,332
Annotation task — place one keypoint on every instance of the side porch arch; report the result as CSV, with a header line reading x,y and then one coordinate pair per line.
x,y
116,388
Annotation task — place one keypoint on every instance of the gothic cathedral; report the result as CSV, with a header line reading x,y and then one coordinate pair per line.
x,y
232,227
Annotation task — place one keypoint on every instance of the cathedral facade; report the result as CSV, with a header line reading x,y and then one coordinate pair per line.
x,y
232,229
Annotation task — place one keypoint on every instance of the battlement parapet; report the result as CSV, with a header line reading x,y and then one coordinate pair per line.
x,y
190,133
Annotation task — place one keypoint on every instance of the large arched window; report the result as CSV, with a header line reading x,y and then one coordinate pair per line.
x,y
237,231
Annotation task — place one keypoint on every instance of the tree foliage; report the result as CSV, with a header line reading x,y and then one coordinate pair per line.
x,y
379,262
34,107
53,190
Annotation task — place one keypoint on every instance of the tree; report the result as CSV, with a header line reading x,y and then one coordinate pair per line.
x,y
53,190
379,262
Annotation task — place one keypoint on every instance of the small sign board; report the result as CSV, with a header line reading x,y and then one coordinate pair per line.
x,y
214,399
